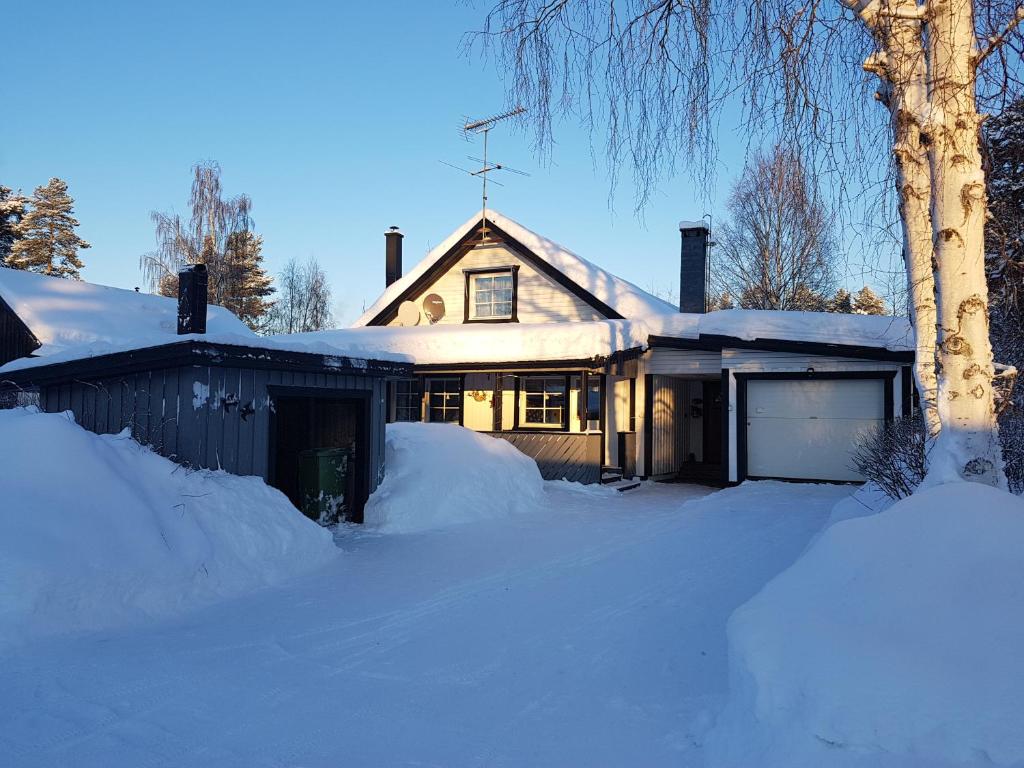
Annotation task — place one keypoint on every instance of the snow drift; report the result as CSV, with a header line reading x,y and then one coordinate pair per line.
x,y
96,530
894,641
439,475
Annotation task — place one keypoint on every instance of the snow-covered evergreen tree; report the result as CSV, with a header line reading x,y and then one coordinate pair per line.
x,y
47,241
842,302
867,302
12,210
245,285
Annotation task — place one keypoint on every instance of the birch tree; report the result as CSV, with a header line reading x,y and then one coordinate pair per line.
x,y
656,74
777,250
203,238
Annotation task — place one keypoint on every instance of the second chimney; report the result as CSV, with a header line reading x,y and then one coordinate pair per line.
x,y
693,266
192,283
392,256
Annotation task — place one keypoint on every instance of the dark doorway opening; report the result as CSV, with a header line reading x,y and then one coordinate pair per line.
x,y
704,464
306,423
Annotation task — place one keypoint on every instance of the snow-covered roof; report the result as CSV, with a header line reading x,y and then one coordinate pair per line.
x,y
894,334
472,343
625,298
469,344
72,317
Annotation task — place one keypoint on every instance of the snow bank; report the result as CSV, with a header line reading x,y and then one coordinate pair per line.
x,y
97,531
440,475
894,641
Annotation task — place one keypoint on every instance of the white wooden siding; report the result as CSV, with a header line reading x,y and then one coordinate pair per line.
x,y
686,362
539,298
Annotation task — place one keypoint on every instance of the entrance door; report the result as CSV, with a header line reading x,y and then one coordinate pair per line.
x,y
712,422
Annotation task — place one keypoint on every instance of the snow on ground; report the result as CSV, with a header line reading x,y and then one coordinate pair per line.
x,y
442,474
589,630
97,531
894,641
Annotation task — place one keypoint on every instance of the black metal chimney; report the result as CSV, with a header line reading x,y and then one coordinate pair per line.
x,y
392,256
192,281
693,266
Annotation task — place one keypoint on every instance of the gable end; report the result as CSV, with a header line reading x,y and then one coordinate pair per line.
x,y
469,241
16,339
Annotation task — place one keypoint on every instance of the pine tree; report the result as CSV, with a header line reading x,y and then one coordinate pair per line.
x,y
841,302
867,302
722,301
12,210
245,285
804,299
47,240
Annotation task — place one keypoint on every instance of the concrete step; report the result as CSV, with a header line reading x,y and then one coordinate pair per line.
x,y
624,485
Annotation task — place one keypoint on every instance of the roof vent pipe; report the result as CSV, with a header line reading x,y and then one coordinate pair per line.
x,y
693,266
192,282
392,256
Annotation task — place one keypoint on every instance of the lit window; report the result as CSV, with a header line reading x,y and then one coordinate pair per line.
x,y
542,401
491,295
445,400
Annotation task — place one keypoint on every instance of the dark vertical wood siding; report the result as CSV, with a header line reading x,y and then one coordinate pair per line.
x,y
190,414
15,339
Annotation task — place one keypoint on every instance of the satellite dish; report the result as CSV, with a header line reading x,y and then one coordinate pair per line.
x,y
433,307
408,314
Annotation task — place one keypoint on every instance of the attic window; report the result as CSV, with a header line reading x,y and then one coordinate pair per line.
x,y
491,295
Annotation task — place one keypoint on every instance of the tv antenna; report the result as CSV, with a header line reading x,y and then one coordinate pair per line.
x,y
484,126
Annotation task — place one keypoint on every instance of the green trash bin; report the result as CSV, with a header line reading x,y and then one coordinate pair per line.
x,y
323,482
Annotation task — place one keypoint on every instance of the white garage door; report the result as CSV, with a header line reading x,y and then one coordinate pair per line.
x,y
807,429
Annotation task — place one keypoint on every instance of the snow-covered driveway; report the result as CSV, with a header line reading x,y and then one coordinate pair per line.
x,y
588,633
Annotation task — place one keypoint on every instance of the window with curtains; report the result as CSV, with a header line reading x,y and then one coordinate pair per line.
x,y
543,402
491,295
444,401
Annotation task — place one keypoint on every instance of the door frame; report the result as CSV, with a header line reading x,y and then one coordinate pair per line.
x,y
886,377
364,398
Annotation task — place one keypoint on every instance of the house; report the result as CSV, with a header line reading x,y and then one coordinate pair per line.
x,y
514,335
197,385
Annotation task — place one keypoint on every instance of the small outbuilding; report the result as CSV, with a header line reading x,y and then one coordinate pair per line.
x,y
309,421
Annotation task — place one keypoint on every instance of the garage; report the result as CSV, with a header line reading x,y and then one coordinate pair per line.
x,y
805,428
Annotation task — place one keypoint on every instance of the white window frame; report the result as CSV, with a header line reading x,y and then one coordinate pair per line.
x,y
472,278
544,407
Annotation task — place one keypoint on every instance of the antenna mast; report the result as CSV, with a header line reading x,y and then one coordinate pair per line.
x,y
484,126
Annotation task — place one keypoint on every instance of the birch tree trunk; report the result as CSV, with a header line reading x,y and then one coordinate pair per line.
x,y
968,445
908,106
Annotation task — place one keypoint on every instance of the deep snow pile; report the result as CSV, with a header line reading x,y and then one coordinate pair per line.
x,y
97,530
439,475
894,641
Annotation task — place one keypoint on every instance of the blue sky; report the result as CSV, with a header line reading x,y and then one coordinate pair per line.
x,y
332,117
